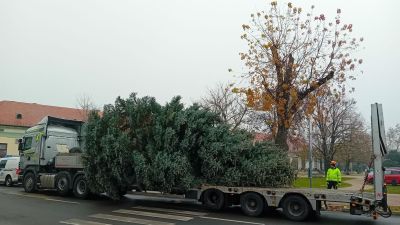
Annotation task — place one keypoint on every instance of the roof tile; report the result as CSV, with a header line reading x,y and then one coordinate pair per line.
x,y
32,113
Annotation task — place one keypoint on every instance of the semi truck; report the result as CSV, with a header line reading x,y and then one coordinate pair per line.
x,y
51,158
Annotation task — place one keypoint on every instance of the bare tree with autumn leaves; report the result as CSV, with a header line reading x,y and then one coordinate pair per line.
x,y
291,55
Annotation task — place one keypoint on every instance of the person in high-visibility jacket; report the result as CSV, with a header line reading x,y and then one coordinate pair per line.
x,y
333,176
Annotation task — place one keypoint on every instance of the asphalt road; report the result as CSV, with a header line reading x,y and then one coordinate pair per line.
x,y
44,208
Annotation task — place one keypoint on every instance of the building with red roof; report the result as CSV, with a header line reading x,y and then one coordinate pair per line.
x,y
16,117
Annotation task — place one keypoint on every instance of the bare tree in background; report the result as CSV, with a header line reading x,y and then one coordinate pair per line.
x,y
229,106
264,122
232,109
334,119
85,104
356,145
258,121
393,138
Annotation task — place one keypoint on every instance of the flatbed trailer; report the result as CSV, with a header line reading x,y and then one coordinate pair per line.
x,y
299,204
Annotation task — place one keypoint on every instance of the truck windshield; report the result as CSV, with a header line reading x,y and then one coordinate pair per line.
x,y
28,143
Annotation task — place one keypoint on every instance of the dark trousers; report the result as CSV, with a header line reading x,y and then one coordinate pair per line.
x,y
332,184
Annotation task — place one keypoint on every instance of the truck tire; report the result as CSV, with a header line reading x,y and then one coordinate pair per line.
x,y
29,182
252,204
63,183
213,199
394,182
296,208
8,182
81,189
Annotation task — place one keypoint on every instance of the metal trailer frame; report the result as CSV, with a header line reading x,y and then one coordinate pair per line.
x,y
273,196
360,203
371,204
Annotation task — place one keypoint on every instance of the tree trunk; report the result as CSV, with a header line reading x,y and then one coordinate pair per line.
x,y
327,164
281,137
348,166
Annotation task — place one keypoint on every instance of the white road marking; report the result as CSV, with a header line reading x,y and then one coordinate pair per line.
x,y
129,219
235,221
58,200
176,211
40,197
27,195
82,222
151,214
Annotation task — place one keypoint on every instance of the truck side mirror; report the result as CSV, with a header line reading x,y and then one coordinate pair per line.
x,y
20,144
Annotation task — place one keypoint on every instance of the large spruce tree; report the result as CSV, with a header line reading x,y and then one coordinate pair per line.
x,y
171,148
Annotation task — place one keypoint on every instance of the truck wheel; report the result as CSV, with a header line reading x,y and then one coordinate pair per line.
x,y
62,183
296,208
81,189
252,204
29,182
213,199
8,181
394,182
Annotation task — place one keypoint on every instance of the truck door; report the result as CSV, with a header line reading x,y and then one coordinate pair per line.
x,y
30,152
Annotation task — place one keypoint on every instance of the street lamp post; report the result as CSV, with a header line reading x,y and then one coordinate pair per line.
x,y
309,152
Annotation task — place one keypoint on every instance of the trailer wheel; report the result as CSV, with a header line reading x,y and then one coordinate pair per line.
x,y
81,189
213,199
252,204
63,183
296,208
29,182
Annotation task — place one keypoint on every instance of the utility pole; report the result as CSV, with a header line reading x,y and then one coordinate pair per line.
x,y
309,152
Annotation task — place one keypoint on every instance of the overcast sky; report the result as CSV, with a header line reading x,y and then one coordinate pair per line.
x,y
52,52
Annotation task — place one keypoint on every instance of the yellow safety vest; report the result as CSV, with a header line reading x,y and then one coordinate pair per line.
x,y
333,175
